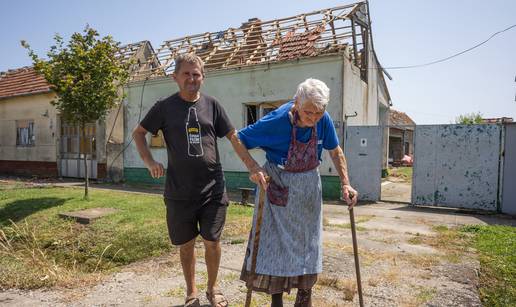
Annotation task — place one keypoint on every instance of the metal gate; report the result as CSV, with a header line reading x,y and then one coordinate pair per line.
x,y
509,171
457,166
72,149
363,149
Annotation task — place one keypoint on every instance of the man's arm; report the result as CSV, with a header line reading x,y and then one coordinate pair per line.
x,y
337,155
156,169
256,173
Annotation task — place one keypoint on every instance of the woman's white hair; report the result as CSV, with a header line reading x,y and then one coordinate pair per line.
x,y
313,90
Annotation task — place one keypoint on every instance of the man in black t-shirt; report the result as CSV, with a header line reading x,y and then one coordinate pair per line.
x,y
195,195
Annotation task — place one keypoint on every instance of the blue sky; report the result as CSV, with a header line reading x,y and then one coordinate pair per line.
x,y
405,33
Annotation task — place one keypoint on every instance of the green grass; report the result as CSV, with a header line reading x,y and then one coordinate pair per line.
x,y
496,246
402,172
38,248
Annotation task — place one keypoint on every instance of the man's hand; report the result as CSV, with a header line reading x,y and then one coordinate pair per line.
x,y
350,195
156,169
258,175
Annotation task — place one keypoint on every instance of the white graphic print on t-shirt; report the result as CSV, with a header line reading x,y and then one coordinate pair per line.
x,y
193,134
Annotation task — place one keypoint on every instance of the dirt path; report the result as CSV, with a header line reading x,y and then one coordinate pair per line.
x,y
396,191
399,267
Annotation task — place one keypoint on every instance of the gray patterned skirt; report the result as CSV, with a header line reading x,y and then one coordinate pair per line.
x,y
290,248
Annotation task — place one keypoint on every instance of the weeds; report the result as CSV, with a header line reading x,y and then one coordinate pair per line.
x,y
425,295
39,249
347,286
496,245
28,264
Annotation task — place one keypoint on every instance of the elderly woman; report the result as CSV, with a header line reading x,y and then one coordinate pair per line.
x,y
293,137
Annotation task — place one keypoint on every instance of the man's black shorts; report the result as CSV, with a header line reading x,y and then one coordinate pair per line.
x,y
186,219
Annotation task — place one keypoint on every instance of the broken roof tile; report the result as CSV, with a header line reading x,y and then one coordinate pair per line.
x,y
306,35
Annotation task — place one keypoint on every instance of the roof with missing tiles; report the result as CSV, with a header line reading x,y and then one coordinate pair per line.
x,y
327,31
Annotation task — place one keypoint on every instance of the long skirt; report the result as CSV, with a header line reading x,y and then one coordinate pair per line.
x,y
290,247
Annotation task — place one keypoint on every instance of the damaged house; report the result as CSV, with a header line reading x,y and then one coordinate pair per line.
x,y
256,67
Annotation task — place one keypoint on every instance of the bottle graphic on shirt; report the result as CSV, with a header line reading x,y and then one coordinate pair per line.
x,y
193,134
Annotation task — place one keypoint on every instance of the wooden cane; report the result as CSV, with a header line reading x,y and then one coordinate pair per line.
x,y
355,252
256,242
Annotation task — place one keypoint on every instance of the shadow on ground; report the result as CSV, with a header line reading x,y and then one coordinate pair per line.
x,y
20,209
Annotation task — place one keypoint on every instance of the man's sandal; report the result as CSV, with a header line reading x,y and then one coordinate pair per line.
x,y
192,301
217,299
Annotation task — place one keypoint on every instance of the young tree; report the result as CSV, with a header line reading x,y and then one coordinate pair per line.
x,y
85,75
469,119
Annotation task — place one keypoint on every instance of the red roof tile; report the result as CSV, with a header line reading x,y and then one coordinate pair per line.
x,y
323,32
293,45
22,81
397,118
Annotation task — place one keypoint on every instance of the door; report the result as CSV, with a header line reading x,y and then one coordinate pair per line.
x,y
363,148
73,147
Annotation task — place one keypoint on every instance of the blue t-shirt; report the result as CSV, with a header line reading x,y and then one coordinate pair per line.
x,y
272,133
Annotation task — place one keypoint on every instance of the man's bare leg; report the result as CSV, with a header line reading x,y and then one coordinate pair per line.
x,y
212,254
187,255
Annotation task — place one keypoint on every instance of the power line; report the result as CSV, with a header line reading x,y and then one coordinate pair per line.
x,y
451,56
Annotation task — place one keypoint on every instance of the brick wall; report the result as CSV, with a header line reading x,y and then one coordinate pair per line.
x,y
28,168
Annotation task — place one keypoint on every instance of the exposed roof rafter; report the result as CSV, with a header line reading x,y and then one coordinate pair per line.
x,y
327,31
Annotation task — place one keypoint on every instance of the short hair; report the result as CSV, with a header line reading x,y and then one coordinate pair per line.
x,y
313,90
188,58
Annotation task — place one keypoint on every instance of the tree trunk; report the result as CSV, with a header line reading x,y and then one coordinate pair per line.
x,y
86,180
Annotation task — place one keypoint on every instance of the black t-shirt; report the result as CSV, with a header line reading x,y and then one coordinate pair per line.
x,y
190,130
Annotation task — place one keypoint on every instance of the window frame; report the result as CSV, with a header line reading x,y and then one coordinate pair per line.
x,y
260,109
31,137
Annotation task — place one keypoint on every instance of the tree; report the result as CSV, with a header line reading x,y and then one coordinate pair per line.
x,y
85,75
469,119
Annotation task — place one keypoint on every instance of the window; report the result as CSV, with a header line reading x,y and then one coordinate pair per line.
x,y
254,111
251,114
25,133
73,143
266,109
157,140
87,144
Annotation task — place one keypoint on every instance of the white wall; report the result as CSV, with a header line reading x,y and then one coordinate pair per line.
x,y
262,83
235,87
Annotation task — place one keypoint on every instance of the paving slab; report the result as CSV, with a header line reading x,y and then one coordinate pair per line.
x,y
87,216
